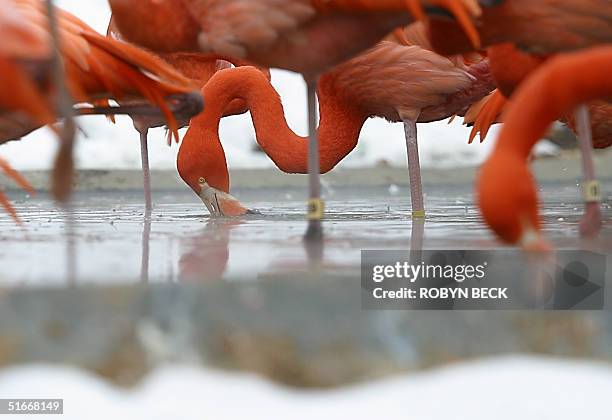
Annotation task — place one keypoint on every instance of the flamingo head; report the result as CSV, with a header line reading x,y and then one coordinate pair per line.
x,y
508,202
208,178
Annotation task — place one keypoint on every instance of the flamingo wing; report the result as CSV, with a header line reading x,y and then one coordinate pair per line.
x,y
411,78
233,27
20,39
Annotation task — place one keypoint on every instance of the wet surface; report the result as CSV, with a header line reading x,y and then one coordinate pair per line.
x,y
115,243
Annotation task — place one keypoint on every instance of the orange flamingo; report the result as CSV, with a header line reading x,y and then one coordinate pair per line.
x,y
22,45
199,68
96,69
556,88
540,27
510,67
401,83
306,36
277,30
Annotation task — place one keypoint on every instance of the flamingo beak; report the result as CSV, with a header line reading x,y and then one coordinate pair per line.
x,y
219,203
532,241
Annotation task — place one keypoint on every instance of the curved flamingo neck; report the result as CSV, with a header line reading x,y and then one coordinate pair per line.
x,y
339,128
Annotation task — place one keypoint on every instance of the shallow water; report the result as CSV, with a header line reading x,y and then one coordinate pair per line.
x,y
112,239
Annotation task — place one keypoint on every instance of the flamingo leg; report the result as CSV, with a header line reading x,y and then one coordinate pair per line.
x,y
417,234
146,171
316,207
146,239
414,169
590,224
71,244
146,233
63,171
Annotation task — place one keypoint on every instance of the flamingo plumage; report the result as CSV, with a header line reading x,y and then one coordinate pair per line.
x,y
401,83
198,67
305,36
539,27
510,67
554,90
22,43
96,69
273,33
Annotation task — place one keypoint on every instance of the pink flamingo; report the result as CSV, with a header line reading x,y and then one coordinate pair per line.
x,y
511,67
401,83
196,66
306,36
506,190
539,27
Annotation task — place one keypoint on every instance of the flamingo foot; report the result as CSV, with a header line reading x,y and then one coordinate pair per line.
x,y
590,225
462,10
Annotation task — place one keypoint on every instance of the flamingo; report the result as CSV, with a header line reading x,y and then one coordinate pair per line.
x,y
510,67
401,83
557,87
540,27
22,43
199,68
96,69
277,30
305,36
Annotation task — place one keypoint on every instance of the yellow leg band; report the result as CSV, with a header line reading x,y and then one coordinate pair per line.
x,y
592,192
316,209
418,214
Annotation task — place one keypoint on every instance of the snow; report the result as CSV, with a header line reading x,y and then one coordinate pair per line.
x,y
116,147
509,388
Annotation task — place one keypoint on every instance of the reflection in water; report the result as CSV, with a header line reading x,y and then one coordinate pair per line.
x,y
315,249
186,244
538,282
566,279
71,247
207,254
146,246
417,234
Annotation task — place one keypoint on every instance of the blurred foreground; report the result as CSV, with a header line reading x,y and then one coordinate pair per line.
x,y
246,296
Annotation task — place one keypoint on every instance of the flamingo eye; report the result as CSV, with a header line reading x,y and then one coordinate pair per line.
x,y
202,180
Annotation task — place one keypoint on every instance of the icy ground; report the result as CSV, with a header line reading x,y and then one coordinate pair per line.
x,y
184,244
502,389
104,146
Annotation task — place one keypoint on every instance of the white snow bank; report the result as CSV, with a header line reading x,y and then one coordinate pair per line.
x,y
501,389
